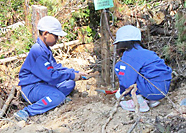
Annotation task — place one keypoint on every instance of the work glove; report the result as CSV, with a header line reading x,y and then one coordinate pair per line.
x,y
117,95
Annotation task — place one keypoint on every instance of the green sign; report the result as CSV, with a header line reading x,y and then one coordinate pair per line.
x,y
102,4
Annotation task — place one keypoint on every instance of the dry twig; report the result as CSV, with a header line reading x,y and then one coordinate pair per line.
x,y
134,125
134,97
116,107
138,117
5,106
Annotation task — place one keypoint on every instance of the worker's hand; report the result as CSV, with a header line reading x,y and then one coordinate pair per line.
x,y
78,75
83,73
117,95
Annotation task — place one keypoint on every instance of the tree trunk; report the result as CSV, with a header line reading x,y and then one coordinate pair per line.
x,y
37,13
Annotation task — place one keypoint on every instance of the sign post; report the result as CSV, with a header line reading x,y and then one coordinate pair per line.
x,y
105,39
103,4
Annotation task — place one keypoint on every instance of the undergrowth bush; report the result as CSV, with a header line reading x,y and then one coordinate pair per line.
x,y
181,29
81,23
11,11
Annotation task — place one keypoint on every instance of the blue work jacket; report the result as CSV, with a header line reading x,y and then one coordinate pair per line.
x,y
40,66
146,62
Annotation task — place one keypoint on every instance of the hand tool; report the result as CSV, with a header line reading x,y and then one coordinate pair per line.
x,y
106,91
84,78
89,76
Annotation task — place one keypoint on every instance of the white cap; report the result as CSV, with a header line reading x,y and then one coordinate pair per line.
x,y
52,25
128,33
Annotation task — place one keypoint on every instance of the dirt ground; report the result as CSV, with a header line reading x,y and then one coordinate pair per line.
x,y
89,111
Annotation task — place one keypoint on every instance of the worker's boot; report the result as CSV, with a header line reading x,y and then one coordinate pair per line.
x,y
21,115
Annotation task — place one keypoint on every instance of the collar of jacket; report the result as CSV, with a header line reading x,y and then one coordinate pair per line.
x,y
45,48
138,46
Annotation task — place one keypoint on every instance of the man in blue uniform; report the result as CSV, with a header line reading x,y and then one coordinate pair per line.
x,y
135,58
44,82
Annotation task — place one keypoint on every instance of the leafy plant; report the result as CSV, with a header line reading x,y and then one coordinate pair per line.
x,y
178,49
82,24
22,39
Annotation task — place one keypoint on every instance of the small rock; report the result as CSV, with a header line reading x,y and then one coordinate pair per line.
x,y
84,94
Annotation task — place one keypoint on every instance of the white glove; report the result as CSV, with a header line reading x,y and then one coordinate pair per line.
x,y
117,95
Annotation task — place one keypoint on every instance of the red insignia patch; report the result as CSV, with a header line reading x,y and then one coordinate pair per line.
x,y
50,67
44,102
121,73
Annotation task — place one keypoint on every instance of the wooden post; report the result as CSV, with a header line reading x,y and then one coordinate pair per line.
x,y
37,13
26,10
105,50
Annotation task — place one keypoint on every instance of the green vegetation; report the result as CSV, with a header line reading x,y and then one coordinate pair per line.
x,y
133,2
178,49
181,28
81,23
11,11
78,18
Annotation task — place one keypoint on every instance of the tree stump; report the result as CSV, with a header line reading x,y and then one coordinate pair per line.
x,y
37,13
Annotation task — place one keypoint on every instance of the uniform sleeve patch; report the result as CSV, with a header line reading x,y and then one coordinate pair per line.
x,y
50,67
123,67
47,63
44,102
48,98
121,73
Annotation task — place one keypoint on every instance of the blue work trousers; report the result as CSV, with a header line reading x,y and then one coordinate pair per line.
x,y
45,97
147,90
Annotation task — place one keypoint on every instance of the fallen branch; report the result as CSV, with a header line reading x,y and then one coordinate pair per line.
x,y
116,107
19,89
138,117
134,125
57,46
2,61
10,97
75,42
134,97
12,27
